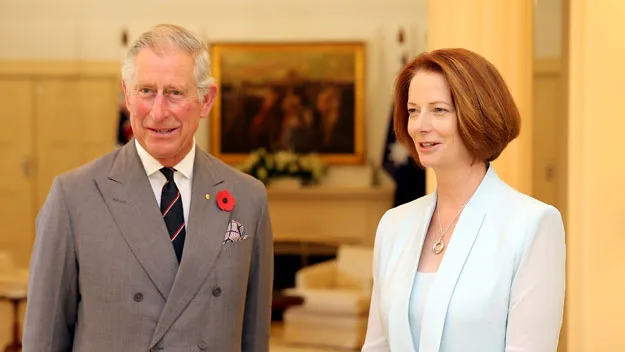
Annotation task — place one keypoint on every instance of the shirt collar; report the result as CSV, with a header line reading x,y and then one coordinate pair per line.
x,y
151,165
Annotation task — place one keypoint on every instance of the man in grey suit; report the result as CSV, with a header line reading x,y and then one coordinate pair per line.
x,y
157,246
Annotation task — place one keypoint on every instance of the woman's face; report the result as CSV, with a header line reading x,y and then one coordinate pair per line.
x,y
433,122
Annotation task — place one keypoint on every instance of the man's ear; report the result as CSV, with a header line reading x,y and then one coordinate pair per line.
x,y
209,99
126,95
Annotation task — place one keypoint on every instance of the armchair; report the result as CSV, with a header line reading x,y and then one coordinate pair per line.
x,y
336,296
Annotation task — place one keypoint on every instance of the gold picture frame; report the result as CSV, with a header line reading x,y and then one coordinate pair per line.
x,y
304,97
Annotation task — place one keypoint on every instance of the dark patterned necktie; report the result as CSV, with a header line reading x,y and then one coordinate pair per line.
x,y
171,208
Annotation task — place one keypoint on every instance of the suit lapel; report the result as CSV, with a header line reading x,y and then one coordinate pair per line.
x,y
449,271
203,242
400,335
130,199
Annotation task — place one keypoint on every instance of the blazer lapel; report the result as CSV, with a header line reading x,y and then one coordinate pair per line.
x,y
130,199
449,271
205,235
400,335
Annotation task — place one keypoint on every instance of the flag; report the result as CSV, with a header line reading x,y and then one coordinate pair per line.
x,y
409,177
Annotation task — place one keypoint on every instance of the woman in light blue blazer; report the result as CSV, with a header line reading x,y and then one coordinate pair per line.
x,y
475,266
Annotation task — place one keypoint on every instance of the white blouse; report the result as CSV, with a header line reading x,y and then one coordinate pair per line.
x,y
420,290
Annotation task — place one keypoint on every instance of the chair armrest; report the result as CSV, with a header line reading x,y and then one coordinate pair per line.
x,y
344,281
344,301
319,275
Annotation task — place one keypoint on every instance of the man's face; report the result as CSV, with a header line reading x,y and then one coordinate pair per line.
x,y
165,109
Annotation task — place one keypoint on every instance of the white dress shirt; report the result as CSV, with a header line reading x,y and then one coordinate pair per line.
x,y
183,176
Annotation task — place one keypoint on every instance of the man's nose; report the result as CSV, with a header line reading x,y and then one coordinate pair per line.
x,y
159,107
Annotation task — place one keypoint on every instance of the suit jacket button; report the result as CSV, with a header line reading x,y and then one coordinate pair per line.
x,y
202,345
216,291
138,297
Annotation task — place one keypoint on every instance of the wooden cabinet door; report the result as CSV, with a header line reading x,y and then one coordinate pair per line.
x,y
76,122
17,171
546,132
49,125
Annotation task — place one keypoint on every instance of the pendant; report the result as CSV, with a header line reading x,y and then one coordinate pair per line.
x,y
438,246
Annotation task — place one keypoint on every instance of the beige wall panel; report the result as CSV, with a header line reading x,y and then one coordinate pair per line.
x,y
59,128
98,103
76,122
16,192
596,192
16,186
55,117
548,130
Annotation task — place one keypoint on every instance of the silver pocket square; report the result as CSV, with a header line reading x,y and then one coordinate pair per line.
x,y
235,232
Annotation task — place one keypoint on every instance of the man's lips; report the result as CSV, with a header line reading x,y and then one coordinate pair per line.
x,y
163,130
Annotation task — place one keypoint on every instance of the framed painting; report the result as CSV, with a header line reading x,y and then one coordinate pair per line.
x,y
302,97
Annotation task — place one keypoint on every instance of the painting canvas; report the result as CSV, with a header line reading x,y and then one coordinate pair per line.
x,y
300,97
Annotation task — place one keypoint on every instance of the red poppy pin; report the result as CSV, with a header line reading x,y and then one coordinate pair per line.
x,y
225,201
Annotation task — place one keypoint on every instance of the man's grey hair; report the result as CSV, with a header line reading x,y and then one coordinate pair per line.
x,y
161,37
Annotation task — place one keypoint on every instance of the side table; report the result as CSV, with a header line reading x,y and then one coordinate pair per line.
x,y
15,297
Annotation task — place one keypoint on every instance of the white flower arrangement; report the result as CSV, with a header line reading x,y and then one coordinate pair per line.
x,y
266,166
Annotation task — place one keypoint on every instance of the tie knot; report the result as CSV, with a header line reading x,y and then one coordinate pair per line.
x,y
169,173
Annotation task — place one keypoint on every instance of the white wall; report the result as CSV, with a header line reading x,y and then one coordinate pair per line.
x,y
91,30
